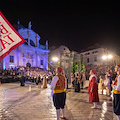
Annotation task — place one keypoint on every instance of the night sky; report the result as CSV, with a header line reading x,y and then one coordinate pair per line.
x,y
76,25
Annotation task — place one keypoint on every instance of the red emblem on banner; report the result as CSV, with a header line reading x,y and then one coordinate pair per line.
x,y
9,37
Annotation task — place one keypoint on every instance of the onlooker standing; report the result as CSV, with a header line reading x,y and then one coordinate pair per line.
x,y
22,80
39,81
93,89
82,79
72,80
77,83
66,80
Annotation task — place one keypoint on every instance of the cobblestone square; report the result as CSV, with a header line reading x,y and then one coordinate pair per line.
x,y
25,103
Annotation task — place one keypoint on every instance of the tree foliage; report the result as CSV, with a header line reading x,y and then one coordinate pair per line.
x,y
75,67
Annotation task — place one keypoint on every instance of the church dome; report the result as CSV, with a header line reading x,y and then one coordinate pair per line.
x,y
18,26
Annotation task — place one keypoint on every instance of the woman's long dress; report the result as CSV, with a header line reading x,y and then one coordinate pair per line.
x,y
77,85
93,90
44,82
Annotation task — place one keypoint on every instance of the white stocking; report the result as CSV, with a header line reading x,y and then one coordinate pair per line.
x,y
63,112
58,114
95,104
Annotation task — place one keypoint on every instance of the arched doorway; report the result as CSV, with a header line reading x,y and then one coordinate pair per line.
x,y
28,65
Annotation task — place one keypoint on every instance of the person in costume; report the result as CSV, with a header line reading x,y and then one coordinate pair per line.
x,y
107,84
39,81
58,85
44,82
93,89
82,79
110,72
101,85
116,93
77,83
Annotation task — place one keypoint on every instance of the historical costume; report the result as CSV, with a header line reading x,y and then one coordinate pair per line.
x,y
73,80
101,84
39,81
44,82
77,83
58,85
93,89
82,79
116,93
109,73
107,85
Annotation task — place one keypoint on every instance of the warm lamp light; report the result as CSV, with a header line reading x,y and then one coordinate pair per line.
x,y
104,57
55,59
110,56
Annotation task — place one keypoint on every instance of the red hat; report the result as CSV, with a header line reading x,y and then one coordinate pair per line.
x,y
109,73
118,65
94,72
60,69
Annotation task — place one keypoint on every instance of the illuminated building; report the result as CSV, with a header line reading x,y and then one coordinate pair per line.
x,y
97,55
31,53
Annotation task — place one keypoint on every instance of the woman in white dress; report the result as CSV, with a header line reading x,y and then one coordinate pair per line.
x,y
107,85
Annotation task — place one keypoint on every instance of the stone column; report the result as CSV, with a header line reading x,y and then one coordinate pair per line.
x,y
36,58
18,57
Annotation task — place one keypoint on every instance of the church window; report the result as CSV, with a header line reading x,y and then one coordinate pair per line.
x,y
94,52
41,62
32,43
88,60
11,59
87,53
95,59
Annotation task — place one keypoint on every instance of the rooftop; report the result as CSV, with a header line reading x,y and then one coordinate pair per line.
x,y
95,46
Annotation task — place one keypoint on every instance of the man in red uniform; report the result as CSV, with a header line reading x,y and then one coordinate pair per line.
x,y
58,85
93,89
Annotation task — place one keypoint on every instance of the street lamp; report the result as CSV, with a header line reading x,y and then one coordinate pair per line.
x,y
110,56
55,59
107,58
104,57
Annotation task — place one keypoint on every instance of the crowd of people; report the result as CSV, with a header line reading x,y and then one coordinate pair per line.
x,y
100,71
26,71
23,74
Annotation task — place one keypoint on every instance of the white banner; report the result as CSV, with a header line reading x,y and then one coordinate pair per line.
x,y
9,37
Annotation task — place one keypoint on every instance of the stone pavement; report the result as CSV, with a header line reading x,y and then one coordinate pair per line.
x,y
33,103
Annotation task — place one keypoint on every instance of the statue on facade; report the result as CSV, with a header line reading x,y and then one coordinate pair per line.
x,y
29,25
18,22
47,45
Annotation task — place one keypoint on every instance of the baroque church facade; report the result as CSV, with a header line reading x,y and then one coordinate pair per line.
x,y
31,53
